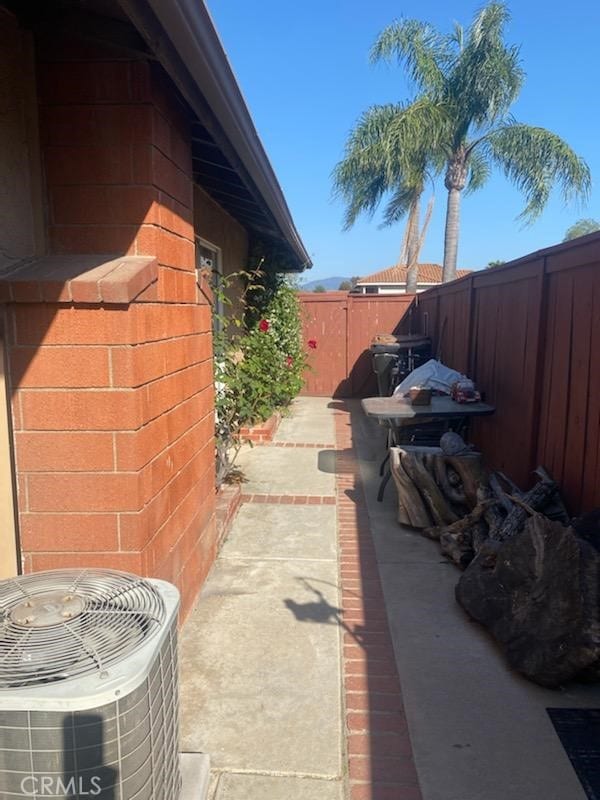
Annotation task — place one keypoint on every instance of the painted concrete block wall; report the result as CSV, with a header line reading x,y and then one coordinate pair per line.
x,y
21,227
113,406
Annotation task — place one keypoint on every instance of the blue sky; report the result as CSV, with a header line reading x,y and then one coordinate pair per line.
x,y
304,71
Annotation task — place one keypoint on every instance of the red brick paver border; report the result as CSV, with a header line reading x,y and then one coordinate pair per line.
x,y
290,499
320,446
380,758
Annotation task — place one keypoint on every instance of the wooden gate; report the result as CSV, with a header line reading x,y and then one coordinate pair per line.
x,y
342,326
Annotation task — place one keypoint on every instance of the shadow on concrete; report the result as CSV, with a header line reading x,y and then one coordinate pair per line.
x,y
321,612
329,461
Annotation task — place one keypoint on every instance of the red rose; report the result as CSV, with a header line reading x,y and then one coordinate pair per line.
x,y
312,343
263,325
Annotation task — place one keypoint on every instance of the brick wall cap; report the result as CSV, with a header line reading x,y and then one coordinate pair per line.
x,y
78,279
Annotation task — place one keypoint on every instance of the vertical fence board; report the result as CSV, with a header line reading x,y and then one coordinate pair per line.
x,y
590,497
579,384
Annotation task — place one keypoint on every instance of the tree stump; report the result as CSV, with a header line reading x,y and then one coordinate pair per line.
x,y
435,488
537,593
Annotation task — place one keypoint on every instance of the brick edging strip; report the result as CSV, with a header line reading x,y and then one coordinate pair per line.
x,y
319,446
290,499
378,747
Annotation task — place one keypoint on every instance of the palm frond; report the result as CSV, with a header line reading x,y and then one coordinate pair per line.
x,y
456,39
400,204
419,46
486,77
479,171
536,160
393,148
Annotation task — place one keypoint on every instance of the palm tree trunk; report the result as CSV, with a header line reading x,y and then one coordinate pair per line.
x,y
412,245
451,235
455,181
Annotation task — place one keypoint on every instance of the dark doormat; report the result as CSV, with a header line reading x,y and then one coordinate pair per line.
x,y
579,732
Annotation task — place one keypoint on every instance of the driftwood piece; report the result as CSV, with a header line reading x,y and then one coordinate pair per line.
x,y
461,541
537,593
455,494
555,509
411,509
499,492
471,472
463,524
492,515
437,504
433,486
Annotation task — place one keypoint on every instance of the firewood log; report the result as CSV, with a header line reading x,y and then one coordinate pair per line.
x,y
535,499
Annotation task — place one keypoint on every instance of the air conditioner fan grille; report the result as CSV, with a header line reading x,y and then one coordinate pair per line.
x,y
63,624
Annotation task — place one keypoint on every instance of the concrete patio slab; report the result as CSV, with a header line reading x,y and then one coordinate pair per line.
x,y
282,470
273,531
478,730
260,656
233,786
294,429
310,421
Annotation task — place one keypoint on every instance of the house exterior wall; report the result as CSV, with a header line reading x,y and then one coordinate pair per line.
x,y
215,225
20,174
390,288
112,402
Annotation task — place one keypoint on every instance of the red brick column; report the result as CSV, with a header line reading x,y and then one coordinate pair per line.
x,y
380,762
112,387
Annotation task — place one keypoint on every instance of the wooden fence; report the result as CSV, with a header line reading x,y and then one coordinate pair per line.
x,y
342,326
529,334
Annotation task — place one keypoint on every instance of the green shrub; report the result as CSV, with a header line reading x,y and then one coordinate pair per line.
x,y
259,360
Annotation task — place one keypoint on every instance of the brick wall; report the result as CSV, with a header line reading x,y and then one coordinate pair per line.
x,y
113,406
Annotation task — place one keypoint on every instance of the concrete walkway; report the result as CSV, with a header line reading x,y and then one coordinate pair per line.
x,y
261,682
318,600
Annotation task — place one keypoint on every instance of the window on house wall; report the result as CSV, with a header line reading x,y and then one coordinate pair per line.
x,y
371,290
209,260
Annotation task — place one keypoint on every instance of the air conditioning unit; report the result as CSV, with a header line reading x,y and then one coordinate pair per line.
x,y
88,687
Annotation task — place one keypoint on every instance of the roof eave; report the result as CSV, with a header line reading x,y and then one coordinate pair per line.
x,y
183,37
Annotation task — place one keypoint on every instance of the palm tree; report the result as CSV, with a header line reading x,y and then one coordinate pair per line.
x,y
386,157
467,82
581,228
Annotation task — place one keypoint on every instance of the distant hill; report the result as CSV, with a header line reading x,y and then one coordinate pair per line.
x,y
331,284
